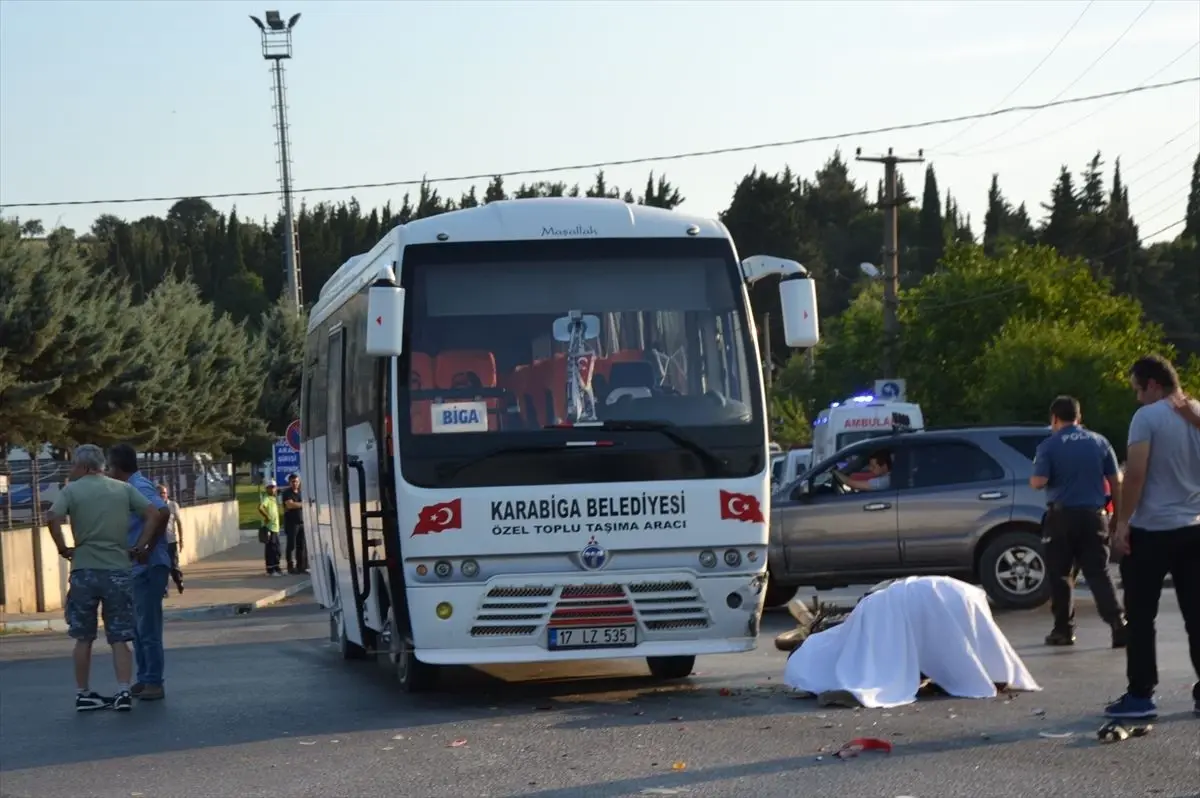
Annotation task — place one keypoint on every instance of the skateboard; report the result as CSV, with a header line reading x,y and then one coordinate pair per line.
x,y
1121,729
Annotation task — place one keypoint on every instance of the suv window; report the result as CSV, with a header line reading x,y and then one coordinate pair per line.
x,y
1025,444
951,463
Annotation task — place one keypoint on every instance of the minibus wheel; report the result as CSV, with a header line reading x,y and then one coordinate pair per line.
x,y
413,675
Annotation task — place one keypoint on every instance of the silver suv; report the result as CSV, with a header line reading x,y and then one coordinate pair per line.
x,y
959,504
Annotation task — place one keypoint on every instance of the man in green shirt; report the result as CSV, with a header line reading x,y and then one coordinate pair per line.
x,y
268,510
101,569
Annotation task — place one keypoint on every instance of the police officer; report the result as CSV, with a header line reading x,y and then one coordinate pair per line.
x,y
1072,465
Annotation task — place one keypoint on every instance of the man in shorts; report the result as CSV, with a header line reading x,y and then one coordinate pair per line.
x,y
101,569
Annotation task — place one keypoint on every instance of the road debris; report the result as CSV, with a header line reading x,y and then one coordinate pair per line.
x,y
861,745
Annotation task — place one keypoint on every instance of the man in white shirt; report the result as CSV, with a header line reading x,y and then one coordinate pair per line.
x,y
173,534
880,466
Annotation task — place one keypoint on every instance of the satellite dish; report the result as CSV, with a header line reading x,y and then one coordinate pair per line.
x,y
869,269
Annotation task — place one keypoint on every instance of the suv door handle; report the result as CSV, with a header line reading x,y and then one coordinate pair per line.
x,y
992,495
875,507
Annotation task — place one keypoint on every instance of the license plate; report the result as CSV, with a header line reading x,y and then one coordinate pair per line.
x,y
593,637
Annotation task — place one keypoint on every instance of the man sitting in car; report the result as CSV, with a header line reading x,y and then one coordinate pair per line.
x,y
879,464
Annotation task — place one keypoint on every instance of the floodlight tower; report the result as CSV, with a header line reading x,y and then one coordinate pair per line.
x,y
276,46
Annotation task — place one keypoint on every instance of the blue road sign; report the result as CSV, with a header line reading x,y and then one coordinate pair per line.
x,y
286,460
890,389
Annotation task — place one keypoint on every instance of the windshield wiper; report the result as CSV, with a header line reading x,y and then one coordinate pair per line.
x,y
713,465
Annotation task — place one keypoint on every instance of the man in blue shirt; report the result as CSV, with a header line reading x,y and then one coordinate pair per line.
x,y
1072,465
151,570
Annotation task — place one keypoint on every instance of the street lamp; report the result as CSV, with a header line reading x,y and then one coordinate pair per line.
x,y
276,46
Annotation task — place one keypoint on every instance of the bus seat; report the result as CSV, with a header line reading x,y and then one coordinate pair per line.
x,y
539,389
603,369
465,368
468,368
556,376
516,382
631,375
604,365
420,378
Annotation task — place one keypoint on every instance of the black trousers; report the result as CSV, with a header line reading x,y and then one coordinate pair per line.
x,y
271,552
1076,539
297,548
1153,555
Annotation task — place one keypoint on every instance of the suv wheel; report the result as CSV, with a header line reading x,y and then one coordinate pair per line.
x,y
777,594
1012,570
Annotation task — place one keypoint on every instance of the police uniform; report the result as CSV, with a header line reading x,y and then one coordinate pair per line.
x,y
1075,463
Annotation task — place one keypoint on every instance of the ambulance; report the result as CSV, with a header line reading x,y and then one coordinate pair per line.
x,y
857,419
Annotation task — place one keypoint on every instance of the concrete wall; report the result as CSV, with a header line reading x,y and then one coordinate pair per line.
x,y
207,530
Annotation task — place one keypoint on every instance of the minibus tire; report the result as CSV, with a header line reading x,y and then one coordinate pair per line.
x,y
350,651
671,667
413,675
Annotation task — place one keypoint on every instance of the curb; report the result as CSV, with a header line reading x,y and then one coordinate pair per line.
x,y
210,611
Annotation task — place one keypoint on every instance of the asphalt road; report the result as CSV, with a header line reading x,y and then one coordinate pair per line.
x,y
263,706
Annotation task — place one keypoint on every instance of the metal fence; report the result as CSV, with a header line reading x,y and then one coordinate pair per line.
x,y
29,487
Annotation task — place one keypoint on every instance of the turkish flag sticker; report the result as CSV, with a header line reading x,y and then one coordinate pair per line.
x,y
740,507
439,517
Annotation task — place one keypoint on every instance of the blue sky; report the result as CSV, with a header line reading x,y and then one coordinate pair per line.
x,y
124,99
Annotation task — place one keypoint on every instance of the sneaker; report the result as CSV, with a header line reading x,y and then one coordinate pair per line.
x,y
1059,638
152,692
90,701
122,702
1120,635
1132,707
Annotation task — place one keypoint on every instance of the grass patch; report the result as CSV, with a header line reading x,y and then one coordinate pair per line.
x,y
247,499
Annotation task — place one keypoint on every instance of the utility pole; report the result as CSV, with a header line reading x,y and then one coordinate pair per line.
x,y
277,46
891,252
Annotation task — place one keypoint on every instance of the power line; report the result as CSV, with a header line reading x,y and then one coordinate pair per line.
x,y
1159,204
1167,179
1078,121
627,161
1169,162
1025,79
1159,148
1078,78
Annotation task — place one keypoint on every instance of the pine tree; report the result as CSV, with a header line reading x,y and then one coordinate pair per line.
x,y
1062,227
930,227
1091,199
1191,227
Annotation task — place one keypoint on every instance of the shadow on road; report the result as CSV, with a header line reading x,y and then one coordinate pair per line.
x,y
273,675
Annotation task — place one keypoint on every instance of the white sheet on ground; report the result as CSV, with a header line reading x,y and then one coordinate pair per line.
x,y
934,625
